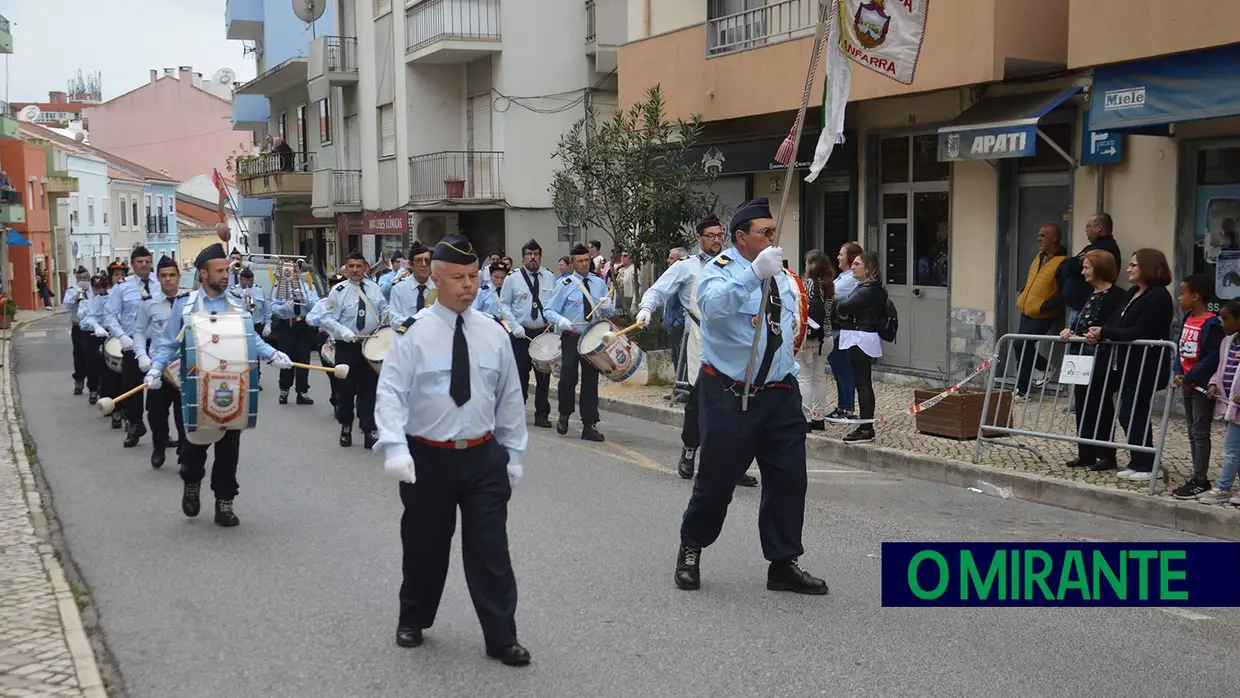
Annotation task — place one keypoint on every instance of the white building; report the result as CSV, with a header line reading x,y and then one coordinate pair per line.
x,y
90,236
449,110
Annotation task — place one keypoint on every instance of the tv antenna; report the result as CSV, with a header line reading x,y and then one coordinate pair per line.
x,y
309,11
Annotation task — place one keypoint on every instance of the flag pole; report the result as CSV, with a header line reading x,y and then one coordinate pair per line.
x,y
799,126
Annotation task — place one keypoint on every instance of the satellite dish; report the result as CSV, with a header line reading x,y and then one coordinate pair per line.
x,y
30,113
309,11
224,76
80,136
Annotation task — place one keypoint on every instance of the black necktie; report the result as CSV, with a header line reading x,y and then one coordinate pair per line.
x,y
361,308
536,303
459,387
146,287
774,309
585,298
421,295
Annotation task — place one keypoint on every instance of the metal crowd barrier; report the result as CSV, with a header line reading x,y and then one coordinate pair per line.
x,y
1048,409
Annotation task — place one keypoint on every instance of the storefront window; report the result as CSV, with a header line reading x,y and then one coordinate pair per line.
x,y
1216,244
894,157
926,165
930,238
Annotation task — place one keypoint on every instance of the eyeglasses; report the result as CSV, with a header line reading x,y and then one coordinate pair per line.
x,y
712,236
422,261
764,232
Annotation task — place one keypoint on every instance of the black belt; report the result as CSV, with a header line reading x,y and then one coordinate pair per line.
x,y
735,385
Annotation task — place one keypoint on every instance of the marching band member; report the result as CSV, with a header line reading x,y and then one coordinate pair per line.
x,y
75,299
255,301
295,337
122,314
391,276
354,309
235,265
312,319
415,291
452,429
577,300
213,270
90,316
681,279
152,317
522,300
772,430
488,295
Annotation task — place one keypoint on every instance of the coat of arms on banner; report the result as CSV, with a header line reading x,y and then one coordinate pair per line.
x,y
223,396
884,35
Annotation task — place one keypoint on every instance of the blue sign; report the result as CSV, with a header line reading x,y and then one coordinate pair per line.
x,y
1105,148
1168,90
988,143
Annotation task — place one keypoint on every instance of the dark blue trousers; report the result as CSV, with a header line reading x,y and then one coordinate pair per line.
x,y
772,431
476,481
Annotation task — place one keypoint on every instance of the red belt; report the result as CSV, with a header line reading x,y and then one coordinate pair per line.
x,y
459,445
710,371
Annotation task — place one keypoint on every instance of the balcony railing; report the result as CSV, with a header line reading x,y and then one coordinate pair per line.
x,y
590,21
457,174
346,187
266,164
341,54
11,197
4,25
446,20
775,22
5,109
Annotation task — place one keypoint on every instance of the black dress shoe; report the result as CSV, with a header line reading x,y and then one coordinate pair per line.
x,y
283,397
118,420
157,458
815,425
189,499
542,421
748,480
136,432
175,443
1102,465
94,397
512,655
369,439
77,387
688,569
685,467
589,432
408,637
224,515
1078,462
303,399
346,436
561,427
788,576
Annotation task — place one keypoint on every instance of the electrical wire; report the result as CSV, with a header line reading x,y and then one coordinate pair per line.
x,y
578,97
170,140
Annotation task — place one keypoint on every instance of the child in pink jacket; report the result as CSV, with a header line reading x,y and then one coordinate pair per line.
x,y
1225,387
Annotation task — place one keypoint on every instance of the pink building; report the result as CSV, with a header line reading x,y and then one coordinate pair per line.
x,y
178,122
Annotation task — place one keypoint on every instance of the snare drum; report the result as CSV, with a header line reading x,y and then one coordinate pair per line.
x,y
112,354
221,392
376,348
545,353
618,360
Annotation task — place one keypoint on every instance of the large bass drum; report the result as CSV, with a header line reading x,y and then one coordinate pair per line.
x,y
800,314
219,376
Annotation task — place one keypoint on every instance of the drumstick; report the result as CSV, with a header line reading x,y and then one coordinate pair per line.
x,y
610,337
341,370
107,404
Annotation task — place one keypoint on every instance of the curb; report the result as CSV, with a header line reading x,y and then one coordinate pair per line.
x,y
1189,517
85,664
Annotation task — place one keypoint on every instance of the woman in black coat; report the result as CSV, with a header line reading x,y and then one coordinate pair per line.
x,y
1138,372
860,317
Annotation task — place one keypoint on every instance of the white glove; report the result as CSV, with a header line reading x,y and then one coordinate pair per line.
x,y
144,363
769,262
101,333
518,331
401,468
643,316
126,342
604,302
267,331
348,336
153,379
281,360
565,324
514,474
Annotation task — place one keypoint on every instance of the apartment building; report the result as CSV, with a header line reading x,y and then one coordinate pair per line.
x,y
1020,114
419,119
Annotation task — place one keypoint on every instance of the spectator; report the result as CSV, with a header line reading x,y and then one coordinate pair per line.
x,y
1073,286
284,152
624,282
1039,303
812,361
595,248
563,268
860,315
841,367
1224,387
1200,337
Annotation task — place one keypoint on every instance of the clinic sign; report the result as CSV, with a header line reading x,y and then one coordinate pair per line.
x,y
987,143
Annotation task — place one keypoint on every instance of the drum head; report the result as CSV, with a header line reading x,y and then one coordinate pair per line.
x,y
112,346
592,338
377,347
204,437
545,347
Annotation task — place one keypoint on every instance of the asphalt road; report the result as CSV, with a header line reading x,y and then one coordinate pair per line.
x,y
301,598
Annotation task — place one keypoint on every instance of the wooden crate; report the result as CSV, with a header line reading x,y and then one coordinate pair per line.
x,y
959,415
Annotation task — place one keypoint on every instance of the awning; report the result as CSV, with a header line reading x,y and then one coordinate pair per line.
x,y
1000,127
16,238
1167,90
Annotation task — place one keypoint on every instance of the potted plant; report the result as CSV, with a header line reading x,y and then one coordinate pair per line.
x,y
959,415
9,312
455,188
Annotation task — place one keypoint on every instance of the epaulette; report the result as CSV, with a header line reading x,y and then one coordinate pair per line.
x,y
723,260
568,280
340,286
404,326
182,294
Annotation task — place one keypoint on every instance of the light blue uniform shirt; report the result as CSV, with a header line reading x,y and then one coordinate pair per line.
x,y
340,309
729,295
404,301
75,301
386,279
90,316
567,302
679,280
312,317
153,315
287,310
516,298
487,300
262,309
123,303
168,347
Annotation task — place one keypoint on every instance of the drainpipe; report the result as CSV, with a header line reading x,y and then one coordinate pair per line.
x,y
1100,179
645,23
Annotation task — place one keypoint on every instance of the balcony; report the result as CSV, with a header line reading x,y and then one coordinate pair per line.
x,y
250,112
452,31
457,177
157,225
9,126
12,207
333,63
336,191
276,176
243,20
289,75
773,23
61,183
6,35
606,29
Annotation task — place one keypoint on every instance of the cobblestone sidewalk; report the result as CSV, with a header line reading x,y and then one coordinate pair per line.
x,y
902,434
44,650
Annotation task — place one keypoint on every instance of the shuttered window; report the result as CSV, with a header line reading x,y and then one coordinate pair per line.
x,y
387,131
348,19
353,143
382,7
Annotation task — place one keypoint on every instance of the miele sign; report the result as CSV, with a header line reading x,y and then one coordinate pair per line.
x,y
1128,98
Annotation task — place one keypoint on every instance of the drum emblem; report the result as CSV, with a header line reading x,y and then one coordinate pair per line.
x,y
224,396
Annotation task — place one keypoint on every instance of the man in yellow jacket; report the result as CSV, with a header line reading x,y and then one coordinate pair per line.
x,y
1040,303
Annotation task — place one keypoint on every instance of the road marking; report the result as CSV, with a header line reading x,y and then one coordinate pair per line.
x,y
1186,615
612,451
843,472
34,333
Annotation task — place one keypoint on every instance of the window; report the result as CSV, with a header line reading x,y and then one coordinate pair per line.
x,y
325,121
134,200
104,209
73,209
282,127
303,141
90,210
30,195
124,211
148,205
382,7
43,195
387,131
